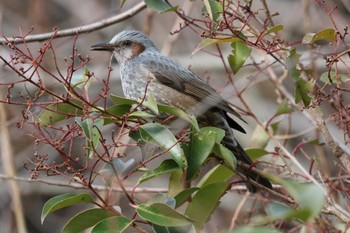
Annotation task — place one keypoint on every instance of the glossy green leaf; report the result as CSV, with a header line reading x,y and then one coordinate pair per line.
x,y
141,114
151,104
326,77
325,34
275,28
60,111
198,150
256,153
122,101
117,111
162,215
159,135
62,201
91,128
183,196
220,133
218,173
86,219
170,110
303,90
165,167
160,6
205,202
283,108
226,155
117,224
239,55
164,199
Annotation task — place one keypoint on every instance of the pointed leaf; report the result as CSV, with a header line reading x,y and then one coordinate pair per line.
x,y
275,28
256,153
58,112
283,108
218,173
303,91
151,104
239,55
122,101
205,202
171,110
162,215
86,219
165,167
184,195
325,34
116,224
158,134
214,9
62,201
200,146
160,6
209,41
141,114
225,154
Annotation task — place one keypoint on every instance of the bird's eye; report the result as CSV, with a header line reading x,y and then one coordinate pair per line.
x,y
126,43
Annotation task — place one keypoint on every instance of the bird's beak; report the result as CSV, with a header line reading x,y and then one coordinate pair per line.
x,y
103,47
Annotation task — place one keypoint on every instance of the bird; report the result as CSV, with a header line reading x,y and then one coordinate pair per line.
x,y
144,68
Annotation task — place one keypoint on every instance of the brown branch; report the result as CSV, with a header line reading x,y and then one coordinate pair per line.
x,y
81,29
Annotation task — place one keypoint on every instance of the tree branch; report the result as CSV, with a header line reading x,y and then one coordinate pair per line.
x,y
81,29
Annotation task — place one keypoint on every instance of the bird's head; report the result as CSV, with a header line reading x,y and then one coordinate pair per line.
x,y
127,45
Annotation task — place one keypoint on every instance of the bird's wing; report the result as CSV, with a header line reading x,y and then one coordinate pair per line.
x,y
181,79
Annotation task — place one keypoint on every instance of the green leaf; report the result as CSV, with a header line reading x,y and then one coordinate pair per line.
x,y
86,219
275,28
239,55
175,183
122,101
325,34
165,167
182,196
162,198
310,197
198,150
205,202
292,63
256,153
116,224
160,6
303,91
218,173
59,111
159,135
117,111
141,114
283,108
91,128
209,41
178,113
62,201
220,133
280,211
253,229
214,9
151,104
334,77
225,154
162,215
182,229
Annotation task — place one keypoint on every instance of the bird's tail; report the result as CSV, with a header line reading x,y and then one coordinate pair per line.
x,y
221,120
